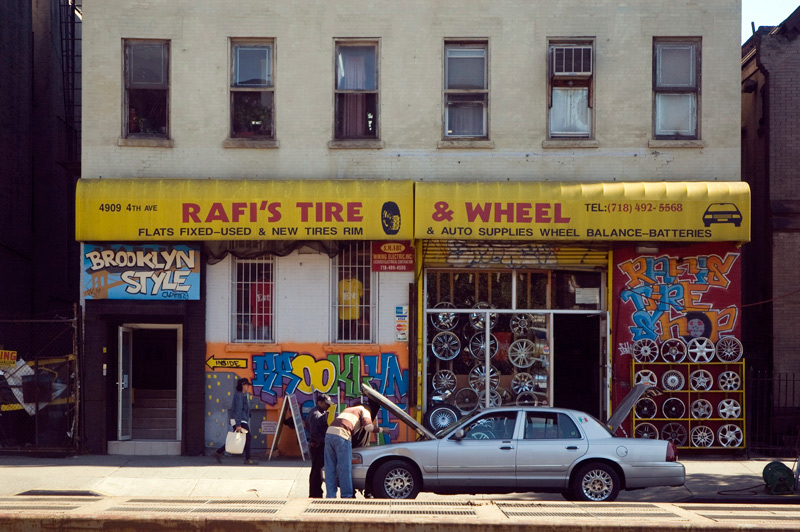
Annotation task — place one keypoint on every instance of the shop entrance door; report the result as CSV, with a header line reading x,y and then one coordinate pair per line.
x,y
578,363
149,383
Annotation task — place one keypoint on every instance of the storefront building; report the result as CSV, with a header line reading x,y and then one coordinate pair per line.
x,y
312,197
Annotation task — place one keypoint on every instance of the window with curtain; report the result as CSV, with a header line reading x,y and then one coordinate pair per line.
x,y
466,93
252,90
145,113
356,88
676,88
570,99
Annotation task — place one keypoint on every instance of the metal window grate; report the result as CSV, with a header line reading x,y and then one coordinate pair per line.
x,y
253,311
353,295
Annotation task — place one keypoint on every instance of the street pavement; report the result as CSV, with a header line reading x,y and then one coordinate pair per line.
x,y
722,479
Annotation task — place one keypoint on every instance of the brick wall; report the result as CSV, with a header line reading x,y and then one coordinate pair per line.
x,y
780,57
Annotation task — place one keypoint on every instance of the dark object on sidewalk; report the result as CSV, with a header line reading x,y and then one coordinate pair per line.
x,y
779,479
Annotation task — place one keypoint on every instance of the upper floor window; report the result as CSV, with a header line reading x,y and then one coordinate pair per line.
x,y
353,294
676,88
252,89
356,88
252,300
466,90
570,96
146,106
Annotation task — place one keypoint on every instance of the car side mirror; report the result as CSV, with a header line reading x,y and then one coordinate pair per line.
x,y
459,434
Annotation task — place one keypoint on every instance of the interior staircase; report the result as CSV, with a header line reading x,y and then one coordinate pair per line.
x,y
154,413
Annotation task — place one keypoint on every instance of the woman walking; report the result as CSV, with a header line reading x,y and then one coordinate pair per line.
x,y
240,418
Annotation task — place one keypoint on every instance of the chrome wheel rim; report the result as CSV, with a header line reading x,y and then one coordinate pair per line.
x,y
673,380
444,380
647,431
673,350
597,485
477,345
442,418
645,376
702,409
729,409
729,436
729,381
522,382
477,378
444,321
702,436
674,432
700,349
645,350
398,483
701,380
729,349
445,345
521,353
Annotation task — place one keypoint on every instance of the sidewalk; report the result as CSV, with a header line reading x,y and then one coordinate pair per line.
x,y
718,480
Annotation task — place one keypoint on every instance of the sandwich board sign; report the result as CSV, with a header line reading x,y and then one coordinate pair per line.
x,y
290,401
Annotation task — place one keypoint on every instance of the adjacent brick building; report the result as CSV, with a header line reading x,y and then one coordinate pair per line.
x,y
770,142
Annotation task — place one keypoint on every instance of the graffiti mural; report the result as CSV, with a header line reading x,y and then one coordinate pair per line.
x,y
683,292
302,371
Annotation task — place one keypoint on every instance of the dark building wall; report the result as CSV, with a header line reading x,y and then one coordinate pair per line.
x,y
779,55
55,252
16,165
771,143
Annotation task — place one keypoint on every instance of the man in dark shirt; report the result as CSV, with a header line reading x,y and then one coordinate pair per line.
x,y
316,425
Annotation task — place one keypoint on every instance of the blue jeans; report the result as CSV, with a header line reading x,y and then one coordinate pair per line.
x,y
338,472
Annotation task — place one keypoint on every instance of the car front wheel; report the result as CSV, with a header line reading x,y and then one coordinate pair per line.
x,y
396,479
595,482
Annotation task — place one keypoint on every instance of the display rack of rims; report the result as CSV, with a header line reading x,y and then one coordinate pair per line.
x,y
703,400
518,345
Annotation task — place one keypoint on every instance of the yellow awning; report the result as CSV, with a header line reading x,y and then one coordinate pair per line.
x,y
642,211
193,209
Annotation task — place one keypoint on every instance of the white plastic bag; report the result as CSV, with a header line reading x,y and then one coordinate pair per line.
x,y
234,442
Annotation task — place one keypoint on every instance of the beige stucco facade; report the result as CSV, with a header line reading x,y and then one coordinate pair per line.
x,y
411,37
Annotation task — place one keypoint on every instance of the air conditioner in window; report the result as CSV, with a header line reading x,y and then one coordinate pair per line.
x,y
571,61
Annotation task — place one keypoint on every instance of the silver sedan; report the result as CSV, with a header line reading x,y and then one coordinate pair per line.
x,y
515,449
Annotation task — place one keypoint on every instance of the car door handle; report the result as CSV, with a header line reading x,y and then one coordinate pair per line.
x,y
506,447
572,447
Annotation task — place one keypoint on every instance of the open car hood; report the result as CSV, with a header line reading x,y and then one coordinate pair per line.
x,y
624,408
401,414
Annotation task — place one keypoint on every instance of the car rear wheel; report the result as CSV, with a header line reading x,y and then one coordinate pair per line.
x,y
396,479
595,482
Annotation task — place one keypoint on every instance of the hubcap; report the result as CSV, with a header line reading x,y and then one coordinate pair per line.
x,y
398,484
597,485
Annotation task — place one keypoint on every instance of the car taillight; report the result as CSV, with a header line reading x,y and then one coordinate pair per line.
x,y
672,452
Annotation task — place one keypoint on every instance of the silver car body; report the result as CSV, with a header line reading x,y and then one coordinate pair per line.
x,y
515,457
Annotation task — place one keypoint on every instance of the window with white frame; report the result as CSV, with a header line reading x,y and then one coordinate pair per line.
x,y
676,88
146,73
252,300
571,67
353,295
466,90
356,90
252,89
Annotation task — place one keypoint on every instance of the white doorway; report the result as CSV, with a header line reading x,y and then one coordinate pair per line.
x,y
149,389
